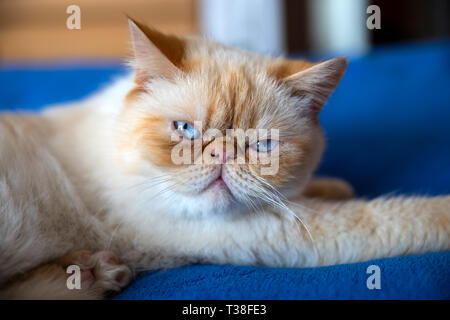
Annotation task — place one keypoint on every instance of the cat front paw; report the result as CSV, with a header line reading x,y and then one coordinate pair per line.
x,y
102,275
329,188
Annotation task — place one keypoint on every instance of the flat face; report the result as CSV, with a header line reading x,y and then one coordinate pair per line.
x,y
221,126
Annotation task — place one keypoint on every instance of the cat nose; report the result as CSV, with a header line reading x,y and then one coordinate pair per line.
x,y
221,153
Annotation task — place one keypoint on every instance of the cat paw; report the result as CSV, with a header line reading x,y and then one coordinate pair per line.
x,y
101,275
329,188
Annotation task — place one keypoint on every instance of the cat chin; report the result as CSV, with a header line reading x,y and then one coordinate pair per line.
x,y
218,195
216,201
210,206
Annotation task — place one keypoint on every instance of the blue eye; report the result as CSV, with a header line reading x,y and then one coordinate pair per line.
x,y
187,130
265,145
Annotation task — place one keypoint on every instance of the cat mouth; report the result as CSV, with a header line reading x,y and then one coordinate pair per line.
x,y
218,183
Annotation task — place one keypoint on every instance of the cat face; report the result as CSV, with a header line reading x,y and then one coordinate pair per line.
x,y
216,129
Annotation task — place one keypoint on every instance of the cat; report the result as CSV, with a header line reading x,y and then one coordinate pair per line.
x,y
94,184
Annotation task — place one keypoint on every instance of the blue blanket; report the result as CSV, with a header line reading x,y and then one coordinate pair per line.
x,y
388,128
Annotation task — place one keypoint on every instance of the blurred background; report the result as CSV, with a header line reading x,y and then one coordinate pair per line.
x,y
35,30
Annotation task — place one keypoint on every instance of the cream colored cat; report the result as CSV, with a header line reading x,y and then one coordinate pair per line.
x,y
93,183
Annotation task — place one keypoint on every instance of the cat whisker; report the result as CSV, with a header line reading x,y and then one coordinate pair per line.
x,y
277,198
113,234
158,179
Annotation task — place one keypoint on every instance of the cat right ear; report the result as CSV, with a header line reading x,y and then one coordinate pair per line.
x,y
317,81
149,62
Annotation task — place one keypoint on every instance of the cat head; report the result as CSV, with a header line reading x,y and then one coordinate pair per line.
x,y
214,129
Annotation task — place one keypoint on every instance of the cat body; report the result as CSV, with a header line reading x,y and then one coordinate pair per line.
x,y
93,183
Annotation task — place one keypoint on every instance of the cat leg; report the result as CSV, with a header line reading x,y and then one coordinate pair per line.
x,y
101,274
325,233
329,188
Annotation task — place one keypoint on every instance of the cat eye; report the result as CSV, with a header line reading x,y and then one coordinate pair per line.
x,y
265,145
187,130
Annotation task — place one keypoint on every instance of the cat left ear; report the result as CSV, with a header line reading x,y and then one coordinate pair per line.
x,y
149,61
318,82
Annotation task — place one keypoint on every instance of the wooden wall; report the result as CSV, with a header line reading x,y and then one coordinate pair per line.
x,y
36,29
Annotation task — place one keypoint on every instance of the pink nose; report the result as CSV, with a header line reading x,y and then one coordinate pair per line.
x,y
220,154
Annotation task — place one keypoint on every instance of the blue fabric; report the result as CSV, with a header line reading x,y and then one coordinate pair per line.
x,y
388,128
415,277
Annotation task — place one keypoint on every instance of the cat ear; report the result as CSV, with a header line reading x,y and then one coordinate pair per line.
x,y
149,60
318,82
